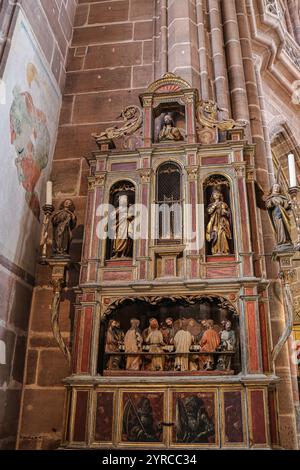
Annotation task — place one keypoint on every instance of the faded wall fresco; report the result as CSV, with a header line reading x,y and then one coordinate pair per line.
x,y
28,126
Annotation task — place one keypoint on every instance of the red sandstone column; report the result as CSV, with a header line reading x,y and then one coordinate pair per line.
x,y
183,41
218,56
164,36
257,131
293,7
237,84
204,83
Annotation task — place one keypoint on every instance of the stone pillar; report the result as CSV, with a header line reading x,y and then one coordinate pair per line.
x,y
293,8
204,83
237,84
164,36
183,40
218,56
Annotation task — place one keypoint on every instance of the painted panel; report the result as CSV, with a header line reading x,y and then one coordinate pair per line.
x,y
79,432
258,418
195,417
28,127
142,418
104,417
233,432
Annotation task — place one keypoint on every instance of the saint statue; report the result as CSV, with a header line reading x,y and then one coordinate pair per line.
x,y
279,207
63,222
228,343
123,217
209,343
183,340
114,341
218,230
168,131
154,339
133,344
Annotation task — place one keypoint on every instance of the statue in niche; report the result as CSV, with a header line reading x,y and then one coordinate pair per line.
x,y
218,230
113,344
209,343
169,131
193,424
63,222
133,342
155,340
138,421
123,217
279,208
183,341
228,343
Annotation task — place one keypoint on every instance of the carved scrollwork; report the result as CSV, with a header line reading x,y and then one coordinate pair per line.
x,y
207,116
132,120
155,300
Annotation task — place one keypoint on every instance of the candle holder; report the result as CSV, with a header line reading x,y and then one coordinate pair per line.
x,y
48,209
293,192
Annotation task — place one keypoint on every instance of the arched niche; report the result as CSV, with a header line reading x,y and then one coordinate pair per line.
x,y
120,221
219,232
195,311
169,203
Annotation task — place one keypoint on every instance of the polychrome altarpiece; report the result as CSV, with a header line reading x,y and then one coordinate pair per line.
x,y
171,345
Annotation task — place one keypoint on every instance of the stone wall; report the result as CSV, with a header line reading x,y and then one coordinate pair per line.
x,y
52,22
109,65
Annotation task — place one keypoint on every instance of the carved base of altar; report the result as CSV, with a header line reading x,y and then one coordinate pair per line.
x,y
147,373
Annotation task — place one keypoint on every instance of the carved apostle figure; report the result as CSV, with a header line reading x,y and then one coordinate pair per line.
x,y
183,340
218,230
133,344
63,222
279,207
155,340
123,217
114,341
228,343
168,131
210,342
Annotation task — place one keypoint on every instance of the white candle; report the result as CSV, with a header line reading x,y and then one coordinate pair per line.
x,y
292,171
49,193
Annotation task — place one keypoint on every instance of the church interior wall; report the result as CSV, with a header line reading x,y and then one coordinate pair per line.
x,y
49,26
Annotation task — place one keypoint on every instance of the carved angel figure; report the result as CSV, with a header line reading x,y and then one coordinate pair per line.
x,y
132,121
63,221
207,115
